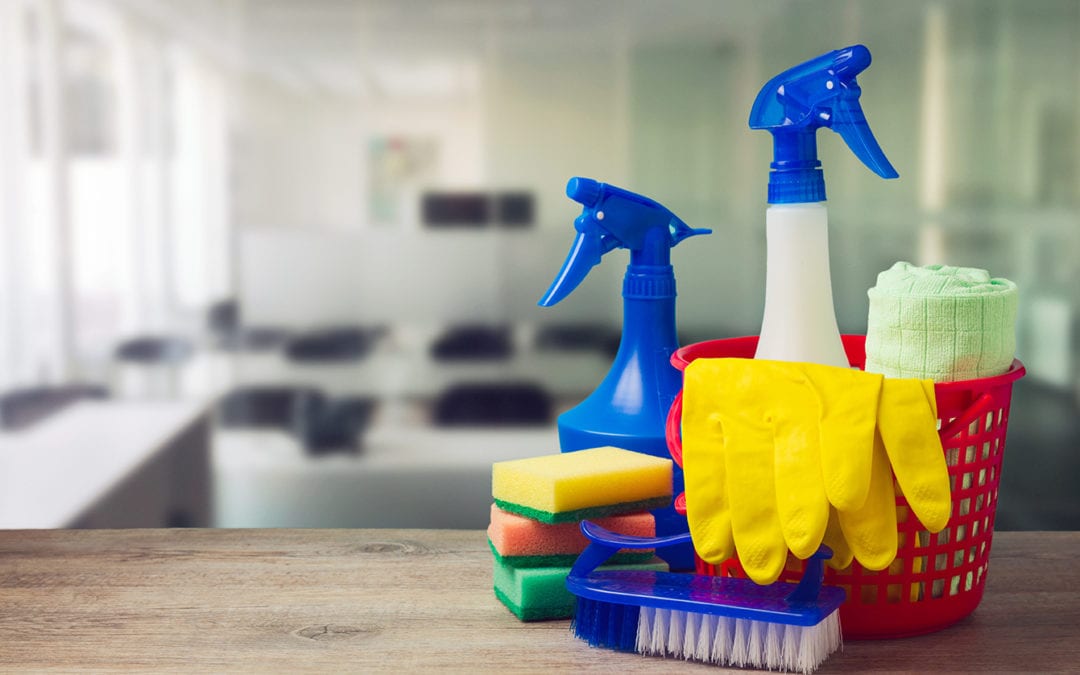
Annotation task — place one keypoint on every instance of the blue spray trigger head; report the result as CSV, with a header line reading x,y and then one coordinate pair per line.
x,y
821,92
613,218
584,191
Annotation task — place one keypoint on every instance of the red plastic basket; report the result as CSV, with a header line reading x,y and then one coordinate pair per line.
x,y
936,579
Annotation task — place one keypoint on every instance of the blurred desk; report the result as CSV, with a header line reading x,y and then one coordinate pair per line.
x,y
108,464
405,477
417,601
408,472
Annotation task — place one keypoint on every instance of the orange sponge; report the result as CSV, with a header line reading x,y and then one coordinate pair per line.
x,y
528,542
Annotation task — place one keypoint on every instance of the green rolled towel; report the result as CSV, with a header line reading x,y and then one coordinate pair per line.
x,y
940,323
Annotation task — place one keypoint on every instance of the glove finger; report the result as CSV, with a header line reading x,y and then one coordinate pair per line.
x,y
870,530
755,524
908,427
801,503
834,539
849,407
746,416
704,470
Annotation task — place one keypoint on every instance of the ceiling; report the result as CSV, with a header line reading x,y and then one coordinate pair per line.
x,y
365,47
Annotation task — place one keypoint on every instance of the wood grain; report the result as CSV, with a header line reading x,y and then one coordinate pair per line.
x,y
405,600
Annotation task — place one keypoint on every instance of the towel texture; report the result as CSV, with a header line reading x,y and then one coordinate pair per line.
x,y
940,323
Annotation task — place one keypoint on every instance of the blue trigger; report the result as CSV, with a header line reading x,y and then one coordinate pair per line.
x,y
615,218
821,92
585,253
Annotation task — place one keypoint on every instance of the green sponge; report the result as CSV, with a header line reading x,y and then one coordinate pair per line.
x,y
573,486
538,593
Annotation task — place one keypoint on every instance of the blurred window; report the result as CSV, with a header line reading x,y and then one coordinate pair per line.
x,y
90,119
113,162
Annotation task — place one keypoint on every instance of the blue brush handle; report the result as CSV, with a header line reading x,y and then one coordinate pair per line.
x,y
806,593
606,543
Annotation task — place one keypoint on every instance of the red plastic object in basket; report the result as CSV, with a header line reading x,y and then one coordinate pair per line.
x,y
936,579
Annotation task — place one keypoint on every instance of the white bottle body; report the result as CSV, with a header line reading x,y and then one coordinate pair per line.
x,y
800,320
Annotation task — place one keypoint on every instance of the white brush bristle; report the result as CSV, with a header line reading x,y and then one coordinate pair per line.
x,y
737,642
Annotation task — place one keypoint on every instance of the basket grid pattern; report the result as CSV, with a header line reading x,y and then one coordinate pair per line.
x,y
936,579
948,567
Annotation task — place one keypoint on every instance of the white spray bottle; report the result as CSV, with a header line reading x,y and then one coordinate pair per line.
x,y
800,321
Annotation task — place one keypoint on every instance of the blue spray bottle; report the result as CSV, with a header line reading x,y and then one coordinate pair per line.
x,y
800,322
629,408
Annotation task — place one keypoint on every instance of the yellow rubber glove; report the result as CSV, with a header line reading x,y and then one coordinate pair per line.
x,y
704,469
907,444
801,495
834,539
722,434
907,420
771,474
823,421
849,410
768,446
870,530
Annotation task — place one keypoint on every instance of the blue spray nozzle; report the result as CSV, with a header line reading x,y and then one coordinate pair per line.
x,y
615,218
584,191
821,92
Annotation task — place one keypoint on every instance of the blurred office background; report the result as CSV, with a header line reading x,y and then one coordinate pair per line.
x,y
276,262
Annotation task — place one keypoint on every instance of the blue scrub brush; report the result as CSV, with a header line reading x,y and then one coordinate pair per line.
x,y
718,620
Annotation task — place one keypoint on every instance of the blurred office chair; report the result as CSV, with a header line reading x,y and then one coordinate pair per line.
x,y
320,424
269,407
473,343
228,332
155,349
579,337
493,404
253,339
341,343
223,317
148,366
23,408
337,425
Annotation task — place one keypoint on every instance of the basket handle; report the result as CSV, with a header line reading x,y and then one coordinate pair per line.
x,y
969,415
673,429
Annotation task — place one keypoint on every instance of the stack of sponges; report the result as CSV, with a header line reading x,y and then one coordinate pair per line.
x,y
539,503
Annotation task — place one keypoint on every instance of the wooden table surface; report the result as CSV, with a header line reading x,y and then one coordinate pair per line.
x,y
404,600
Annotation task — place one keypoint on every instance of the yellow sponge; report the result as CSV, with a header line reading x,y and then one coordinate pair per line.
x,y
572,486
